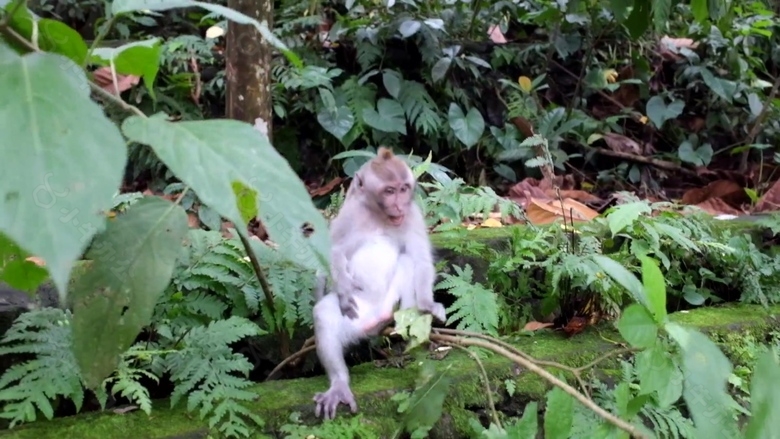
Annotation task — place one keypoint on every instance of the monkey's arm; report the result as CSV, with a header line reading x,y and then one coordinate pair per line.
x,y
421,252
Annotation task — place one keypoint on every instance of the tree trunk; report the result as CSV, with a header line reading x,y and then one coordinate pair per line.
x,y
248,65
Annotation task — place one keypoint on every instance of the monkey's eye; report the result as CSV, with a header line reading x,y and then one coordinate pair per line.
x,y
389,190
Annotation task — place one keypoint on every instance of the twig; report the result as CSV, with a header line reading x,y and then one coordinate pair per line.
x,y
304,350
574,371
488,390
662,164
609,417
758,123
267,291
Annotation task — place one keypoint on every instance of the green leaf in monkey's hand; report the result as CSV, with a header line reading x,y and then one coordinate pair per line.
x,y
388,116
413,326
133,260
468,127
61,161
210,155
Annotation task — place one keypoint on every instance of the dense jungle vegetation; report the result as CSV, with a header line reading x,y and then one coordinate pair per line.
x,y
583,165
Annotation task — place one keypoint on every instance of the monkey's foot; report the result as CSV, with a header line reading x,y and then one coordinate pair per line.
x,y
328,402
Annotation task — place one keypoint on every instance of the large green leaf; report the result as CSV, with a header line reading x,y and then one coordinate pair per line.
x,y
114,299
124,6
655,288
638,21
558,414
52,35
636,325
705,371
700,9
468,127
625,278
139,58
659,112
337,121
765,399
211,155
388,117
61,163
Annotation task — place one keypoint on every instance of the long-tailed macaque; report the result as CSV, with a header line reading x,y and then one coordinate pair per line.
x,y
380,254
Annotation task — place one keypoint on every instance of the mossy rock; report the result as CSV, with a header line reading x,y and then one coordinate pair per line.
x,y
373,386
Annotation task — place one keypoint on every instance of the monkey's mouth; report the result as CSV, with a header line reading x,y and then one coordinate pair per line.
x,y
395,220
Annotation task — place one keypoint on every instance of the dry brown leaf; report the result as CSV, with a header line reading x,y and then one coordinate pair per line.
x,y
575,326
103,78
495,34
770,200
576,194
193,221
522,192
727,190
491,222
325,189
125,409
533,326
668,47
621,143
545,212
37,261
716,206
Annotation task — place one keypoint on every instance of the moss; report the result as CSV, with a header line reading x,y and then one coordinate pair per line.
x,y
373,387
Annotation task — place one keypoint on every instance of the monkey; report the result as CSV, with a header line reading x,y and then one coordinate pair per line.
x,y
380,254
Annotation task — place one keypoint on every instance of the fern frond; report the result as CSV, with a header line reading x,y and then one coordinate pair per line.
x,y
476,307
31,386
205,370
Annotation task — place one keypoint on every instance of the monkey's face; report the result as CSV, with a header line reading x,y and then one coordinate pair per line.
x,y
394,200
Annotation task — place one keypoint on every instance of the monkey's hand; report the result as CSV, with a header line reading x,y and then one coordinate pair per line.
x,y
347,305
328,402
345,289
435,309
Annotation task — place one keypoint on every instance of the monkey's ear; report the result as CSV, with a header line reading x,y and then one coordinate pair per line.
x,y
384,153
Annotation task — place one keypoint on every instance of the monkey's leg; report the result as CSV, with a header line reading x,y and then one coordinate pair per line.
x,y
333,333
374,267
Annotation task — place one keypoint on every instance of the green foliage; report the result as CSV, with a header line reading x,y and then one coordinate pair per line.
x,y
450,200
204,371
214,276
476,308
339,428
30,387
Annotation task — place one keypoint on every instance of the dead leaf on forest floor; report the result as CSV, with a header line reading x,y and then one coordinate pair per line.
x,y
326,188
716,206
104,79
728,191
547,211
534,326
770,201
522,192
620,143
